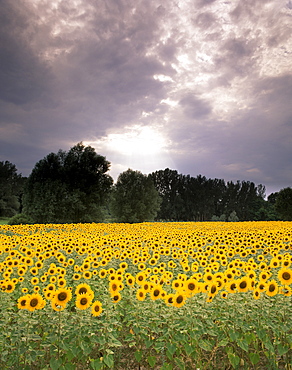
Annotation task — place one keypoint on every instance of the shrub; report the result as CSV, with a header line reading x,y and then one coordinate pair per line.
x,y
19,219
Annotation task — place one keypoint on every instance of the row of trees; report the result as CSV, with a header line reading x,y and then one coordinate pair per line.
x,y
74,186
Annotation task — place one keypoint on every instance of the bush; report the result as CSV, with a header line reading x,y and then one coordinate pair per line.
x,y
19,219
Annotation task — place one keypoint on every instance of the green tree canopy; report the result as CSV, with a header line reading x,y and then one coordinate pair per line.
x,y
283,204
11,187
68,186
134,198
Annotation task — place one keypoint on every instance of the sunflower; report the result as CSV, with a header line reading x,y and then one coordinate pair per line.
x,y
140,277
191,286
117,297
177,284
34,281
62,296
87,275
23,301
272,288
130,280
83,301
212,289
261,286
168,299
84,289
286,290
9,286
179,299
208,277
285,276
224,295
264,275
114,287
243,285
96,308
231,286
57,307
62,282
141,294
156,292
257,293
34,302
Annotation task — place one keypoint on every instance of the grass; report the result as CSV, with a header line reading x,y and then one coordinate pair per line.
x,y
4,220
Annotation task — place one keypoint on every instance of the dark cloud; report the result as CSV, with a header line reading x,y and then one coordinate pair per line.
x,y
212,77
195,107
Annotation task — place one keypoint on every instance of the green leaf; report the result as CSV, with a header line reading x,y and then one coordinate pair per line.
x,y
268,345
206,345
189,349
151,360
243,344
233,335
109,360
69,367
138,355
180,363
148,343
254,358
55,363
250,337
96,364
282,349
234,359
223,342
171,348
166,366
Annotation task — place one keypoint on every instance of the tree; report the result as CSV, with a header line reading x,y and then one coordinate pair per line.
x,y
134,198
11,188
68,187
169,184
283,204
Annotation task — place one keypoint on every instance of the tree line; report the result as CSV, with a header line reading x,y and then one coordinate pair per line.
x,y
74,186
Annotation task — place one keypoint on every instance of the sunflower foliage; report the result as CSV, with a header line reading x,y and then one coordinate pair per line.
x,y
147,295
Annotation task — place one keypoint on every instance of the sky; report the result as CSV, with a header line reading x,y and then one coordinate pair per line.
x,y
198,86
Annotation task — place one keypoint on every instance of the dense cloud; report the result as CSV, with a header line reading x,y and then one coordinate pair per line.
x,y
209,79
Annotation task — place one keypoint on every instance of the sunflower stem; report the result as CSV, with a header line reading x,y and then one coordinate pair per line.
x,y
59,333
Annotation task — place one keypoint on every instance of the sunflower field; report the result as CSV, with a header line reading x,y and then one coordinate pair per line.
x,y
183,295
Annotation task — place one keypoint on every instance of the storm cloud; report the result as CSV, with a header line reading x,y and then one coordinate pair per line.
x,y
209,80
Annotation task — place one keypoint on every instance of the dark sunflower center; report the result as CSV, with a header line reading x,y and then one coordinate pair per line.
x,y
286,275
62,296
213,289
233,286
191,286
23,302
82,290
179,299
116,298
243,284
34,302
83,301
272,288
96,308
156,293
